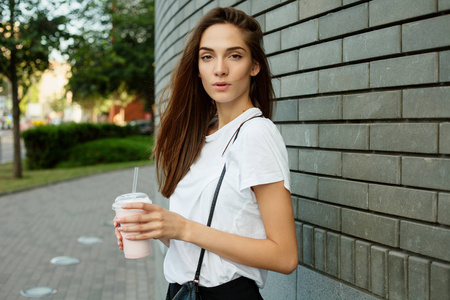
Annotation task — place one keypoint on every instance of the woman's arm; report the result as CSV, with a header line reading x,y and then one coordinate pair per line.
x,y
278,252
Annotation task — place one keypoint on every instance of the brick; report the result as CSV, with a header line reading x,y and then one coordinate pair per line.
x,y
293,158
321,162
346,78
345,2
299,234
350,136
425,239
378,105
407,70
397,275
378,270
332,254
200,3
444,209
245,7
324,54
444,138
304,185
371,167
319,249
418,278
224,3
209,6
300,84
320,214
259,6
300,134
440,277
434,172
319,108
347,255
443,4
282,16
284,63
272,42
312,8
286,110
409,203
383,230
294,201
372,44
427,102
398,10
343,22
184,28
189,9
344,192
261,19
362,269
444,66
300,34
404,137
276,85
195,18
276,285
433,33
307,241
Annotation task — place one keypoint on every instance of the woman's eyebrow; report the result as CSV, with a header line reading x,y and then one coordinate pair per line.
x,y
227,50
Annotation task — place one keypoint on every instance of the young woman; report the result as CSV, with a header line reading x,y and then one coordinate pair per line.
x,y
222,83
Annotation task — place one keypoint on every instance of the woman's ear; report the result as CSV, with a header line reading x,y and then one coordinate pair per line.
x,y
255,68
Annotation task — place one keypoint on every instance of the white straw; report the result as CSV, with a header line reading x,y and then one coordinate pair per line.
x,y
135,177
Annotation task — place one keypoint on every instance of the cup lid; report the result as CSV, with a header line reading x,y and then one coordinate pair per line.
x,y
130,198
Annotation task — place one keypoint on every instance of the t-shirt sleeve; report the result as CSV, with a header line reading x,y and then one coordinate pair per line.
x,y
263,155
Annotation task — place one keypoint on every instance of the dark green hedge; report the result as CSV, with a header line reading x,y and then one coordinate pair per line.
x,y
108,150
47,145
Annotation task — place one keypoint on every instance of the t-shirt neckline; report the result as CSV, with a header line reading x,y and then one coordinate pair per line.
x,y
238,120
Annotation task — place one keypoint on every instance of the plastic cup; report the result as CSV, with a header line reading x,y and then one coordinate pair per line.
x,y
132,249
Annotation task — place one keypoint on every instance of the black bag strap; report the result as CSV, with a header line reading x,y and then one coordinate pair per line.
x,y
213,204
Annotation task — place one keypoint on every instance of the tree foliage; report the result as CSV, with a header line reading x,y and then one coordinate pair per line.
x,y
28,33
116,53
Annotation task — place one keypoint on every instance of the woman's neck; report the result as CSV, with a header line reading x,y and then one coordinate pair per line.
x,y
227,112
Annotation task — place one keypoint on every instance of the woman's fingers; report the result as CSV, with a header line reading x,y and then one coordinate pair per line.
x,y
119,238
157,223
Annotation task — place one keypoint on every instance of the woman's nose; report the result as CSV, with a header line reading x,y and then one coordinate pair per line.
x,y
220,68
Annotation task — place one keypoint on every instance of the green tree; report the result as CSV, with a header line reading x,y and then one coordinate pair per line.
x,y
133,40
28,34
115,54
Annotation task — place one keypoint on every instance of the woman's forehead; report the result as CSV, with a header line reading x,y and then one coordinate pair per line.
x,y
222,36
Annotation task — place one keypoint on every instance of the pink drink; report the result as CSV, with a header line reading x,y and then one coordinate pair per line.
x,y
132,249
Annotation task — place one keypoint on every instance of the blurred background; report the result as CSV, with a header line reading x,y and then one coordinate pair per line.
x,y
64,63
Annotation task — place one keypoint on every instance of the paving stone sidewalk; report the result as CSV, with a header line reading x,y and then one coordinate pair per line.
x,y
43,223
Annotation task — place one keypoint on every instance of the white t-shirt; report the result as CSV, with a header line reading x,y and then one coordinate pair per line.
x,y
258,156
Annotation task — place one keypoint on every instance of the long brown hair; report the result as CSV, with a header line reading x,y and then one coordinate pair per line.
x,y
186,119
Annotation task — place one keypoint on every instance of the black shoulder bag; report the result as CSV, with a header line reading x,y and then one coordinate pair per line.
x,y
189,290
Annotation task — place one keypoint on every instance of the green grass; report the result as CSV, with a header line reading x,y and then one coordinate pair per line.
x,y
34,178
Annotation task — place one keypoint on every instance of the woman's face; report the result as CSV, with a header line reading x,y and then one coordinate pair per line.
x,y
225,65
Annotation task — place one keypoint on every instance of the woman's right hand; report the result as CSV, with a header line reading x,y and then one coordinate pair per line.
x,y
118,234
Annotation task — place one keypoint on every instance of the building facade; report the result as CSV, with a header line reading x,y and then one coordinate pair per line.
x,y
363,90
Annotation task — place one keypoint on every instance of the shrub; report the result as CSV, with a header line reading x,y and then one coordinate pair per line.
x,y
47,145
108,151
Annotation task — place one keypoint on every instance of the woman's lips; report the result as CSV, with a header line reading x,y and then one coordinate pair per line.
x,y
221,86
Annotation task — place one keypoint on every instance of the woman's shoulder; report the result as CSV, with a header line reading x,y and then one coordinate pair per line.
x,y
260,127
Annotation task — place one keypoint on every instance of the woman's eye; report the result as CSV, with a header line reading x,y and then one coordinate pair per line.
x,y
206,57
235,56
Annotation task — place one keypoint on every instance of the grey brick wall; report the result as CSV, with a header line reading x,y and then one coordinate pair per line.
x,y
363,91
